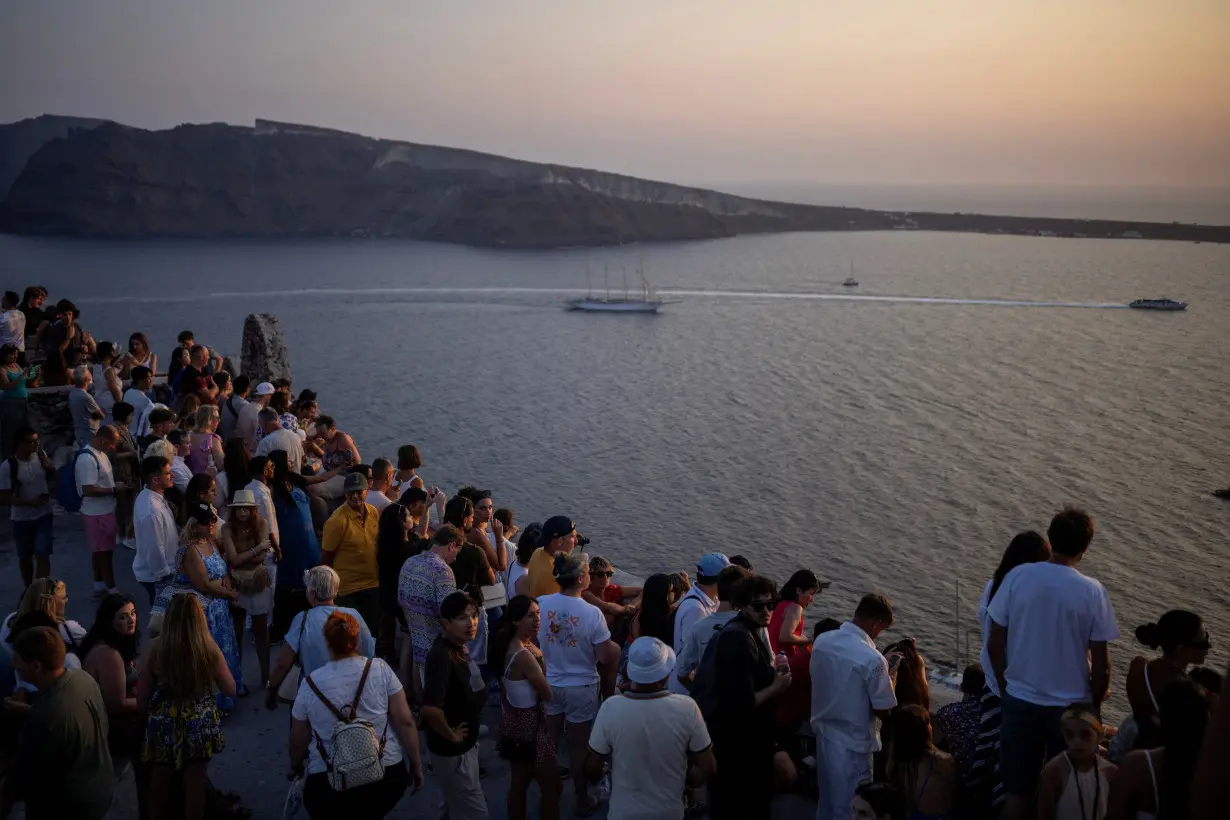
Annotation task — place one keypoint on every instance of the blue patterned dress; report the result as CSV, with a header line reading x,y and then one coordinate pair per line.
x,y
217,616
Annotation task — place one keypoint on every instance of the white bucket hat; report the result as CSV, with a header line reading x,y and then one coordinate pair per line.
x,y
243,498
650,661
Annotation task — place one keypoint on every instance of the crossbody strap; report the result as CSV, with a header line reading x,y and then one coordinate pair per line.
x,y
336,712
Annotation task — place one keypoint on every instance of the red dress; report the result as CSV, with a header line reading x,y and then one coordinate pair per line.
x,y
794,704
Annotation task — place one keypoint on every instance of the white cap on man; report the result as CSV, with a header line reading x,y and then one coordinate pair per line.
x,y
265,389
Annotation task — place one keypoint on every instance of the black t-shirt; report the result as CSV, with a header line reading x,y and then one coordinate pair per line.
x,y
34,318
193,381
389,559
174,366
453,683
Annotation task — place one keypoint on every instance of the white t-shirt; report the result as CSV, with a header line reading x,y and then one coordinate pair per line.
x,y
568,633
31,483
1052,613
378,500
180,473
138,425
96,471
282,439
694,645
157,537
648,738
984,620
696,604
849,682
338,681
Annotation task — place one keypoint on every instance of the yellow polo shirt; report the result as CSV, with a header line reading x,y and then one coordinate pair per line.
x,y
352,540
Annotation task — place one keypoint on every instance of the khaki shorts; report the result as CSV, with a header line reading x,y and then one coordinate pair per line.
x,y
578,704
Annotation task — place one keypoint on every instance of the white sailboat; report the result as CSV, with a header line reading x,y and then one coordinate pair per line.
x,y
646,301
850,282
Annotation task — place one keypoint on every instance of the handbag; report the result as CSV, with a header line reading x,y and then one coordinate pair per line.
x,y
494,595
288,689
251,581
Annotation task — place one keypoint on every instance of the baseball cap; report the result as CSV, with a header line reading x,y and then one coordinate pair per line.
x,y
554,527
265,389
710,565
202,513
649,661
354,482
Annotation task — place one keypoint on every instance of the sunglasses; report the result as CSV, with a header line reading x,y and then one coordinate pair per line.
x,y
602,573
762,605
1203,643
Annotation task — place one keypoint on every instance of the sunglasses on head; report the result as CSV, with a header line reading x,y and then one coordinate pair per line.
x,y
761,605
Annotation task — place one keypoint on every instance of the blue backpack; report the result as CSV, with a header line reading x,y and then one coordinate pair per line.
x,y
66,485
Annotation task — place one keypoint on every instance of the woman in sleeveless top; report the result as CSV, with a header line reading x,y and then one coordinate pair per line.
x,y
180,671
109,655
525,742
206,455
139,355
202,570
1076,785
339,450
1184,642
253,565
1155,783
925,776
788,636
106,386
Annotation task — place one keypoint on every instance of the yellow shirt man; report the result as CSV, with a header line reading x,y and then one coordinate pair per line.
x,y
541,574
351,538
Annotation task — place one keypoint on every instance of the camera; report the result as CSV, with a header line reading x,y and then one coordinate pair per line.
x,y
582,541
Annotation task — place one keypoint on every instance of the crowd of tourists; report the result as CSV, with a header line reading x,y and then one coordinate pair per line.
x,y
406,618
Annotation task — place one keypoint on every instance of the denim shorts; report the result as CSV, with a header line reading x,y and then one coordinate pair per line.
x,y
33,537
1029,735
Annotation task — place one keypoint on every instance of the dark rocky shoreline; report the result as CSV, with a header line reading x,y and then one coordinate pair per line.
x,y
83,178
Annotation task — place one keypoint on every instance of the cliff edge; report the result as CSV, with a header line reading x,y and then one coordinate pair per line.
x,y
286,180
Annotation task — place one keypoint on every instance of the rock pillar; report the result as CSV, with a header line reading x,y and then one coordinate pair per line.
x,y
264,356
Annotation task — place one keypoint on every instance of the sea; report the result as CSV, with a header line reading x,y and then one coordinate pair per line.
x,y
892,444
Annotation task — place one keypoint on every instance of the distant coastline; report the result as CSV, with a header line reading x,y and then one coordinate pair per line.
x,y
72,177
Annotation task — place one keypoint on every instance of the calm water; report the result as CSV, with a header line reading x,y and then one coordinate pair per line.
x,y
888,446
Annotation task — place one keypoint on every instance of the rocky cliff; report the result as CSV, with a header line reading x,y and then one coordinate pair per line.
x,y
20,140
279,179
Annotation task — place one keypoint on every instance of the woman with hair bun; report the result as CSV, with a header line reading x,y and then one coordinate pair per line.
x,y
1184,641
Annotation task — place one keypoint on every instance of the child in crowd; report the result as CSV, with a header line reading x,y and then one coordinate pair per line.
x,y
1075,785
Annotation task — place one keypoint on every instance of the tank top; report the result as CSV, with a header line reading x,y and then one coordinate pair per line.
x,y
102,394
1085,794
201,455
520,693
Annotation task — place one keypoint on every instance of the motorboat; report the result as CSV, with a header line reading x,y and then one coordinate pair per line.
x,y
1158,304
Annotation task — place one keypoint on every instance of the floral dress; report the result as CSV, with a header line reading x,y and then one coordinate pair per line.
x,y
181,732
217,614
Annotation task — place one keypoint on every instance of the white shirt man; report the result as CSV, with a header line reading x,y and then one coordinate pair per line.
x,y
138,425
156,533
851,684
652,737
281,439
181,473
229,412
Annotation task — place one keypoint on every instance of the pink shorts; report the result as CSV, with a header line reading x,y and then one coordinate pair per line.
x,y
100,531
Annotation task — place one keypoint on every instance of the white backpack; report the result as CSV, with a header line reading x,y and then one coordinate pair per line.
x,y
356,750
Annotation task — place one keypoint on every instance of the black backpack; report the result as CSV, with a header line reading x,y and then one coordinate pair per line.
x,y
705,679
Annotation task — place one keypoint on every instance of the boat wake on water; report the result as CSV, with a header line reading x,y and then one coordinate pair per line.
x,y
665,293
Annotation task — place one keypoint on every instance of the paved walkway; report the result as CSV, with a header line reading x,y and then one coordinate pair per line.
x,y
255,760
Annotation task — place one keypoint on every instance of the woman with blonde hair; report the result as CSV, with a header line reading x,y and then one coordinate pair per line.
x,y
253,562
206,454
201,570
179,673
50,596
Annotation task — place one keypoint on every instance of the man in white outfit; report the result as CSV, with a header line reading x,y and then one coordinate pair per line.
x,y
701,601
852,690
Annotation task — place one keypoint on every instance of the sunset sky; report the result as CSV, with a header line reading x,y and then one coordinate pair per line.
x,y
1100,92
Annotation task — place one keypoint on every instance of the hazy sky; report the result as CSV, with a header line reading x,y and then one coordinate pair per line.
x,y
1131,92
